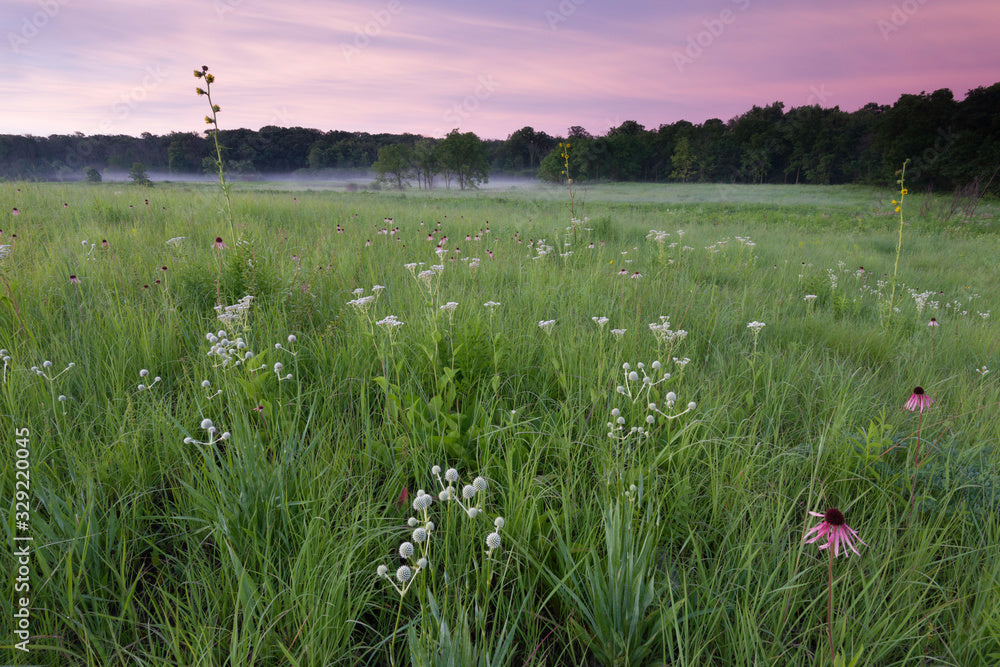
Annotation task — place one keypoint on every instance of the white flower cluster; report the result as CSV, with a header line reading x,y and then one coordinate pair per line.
x,y
235,314
213,434
657,235
44,370
633,389
390,322
5,357
5,251
664,334
415,550
226,351
546,325
143,374
756,326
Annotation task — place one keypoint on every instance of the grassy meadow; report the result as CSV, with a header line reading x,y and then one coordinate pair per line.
x,y
422,443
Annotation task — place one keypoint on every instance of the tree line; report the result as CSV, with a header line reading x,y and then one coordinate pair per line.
x,y
951,144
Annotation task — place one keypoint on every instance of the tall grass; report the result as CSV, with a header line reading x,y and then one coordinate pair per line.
x,y
677,544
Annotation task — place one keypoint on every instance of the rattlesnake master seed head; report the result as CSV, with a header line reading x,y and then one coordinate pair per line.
x,y
436,470
206,424
403,574
468,491
451,475
419,535
422,563
479,483
498,522
405,550
493,541
382,570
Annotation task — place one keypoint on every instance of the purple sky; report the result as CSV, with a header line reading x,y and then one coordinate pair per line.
x,y
428,66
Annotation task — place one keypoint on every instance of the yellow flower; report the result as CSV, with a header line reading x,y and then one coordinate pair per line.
x,y
898,208
905,191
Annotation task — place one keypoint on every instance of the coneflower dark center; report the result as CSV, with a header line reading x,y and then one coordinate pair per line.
x,y
834,517
919,391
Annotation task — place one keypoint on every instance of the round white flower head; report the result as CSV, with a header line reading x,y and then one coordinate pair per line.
x,y
405,550
479,483
443,495
62,397
210,337
692,405
412,522
615,412
650,419
468,491
626,366
382,570
188,440
403,574
429,526
498,522
226,435
143,373
292,338
157,378
436,470
142,387
206,384
422,563
671,397
620,420
472,512
277,346
278,366
620,389
206,423
493,541
419,535
656,365
633,376
451,475
47,364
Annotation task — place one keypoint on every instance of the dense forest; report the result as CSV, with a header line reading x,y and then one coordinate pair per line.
x,y
951,144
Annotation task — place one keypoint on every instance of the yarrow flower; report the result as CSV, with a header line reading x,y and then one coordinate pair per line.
x,y
836,531
918,400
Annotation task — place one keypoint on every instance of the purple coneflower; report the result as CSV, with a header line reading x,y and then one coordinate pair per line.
x,y
836,531
219,245
74,280
918,400
933,322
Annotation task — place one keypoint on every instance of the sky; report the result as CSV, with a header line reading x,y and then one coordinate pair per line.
x,y
489,67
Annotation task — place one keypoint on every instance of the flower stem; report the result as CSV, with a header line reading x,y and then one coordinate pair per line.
x,y
829,608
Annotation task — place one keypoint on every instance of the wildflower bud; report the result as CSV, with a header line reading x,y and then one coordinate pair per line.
x,y
403,574
143,373
226,435
188,441
620,389
498,522
493,541
382,570
62,398
141,387
436,470
626,366
479,483
468,491
206,424
206,384
692,405
443,495
278,366
292,338
451,475
46,364
472,512
405,550
422,563
412,522
277,346
651,406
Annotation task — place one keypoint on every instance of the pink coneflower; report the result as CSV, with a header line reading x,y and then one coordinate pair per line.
x,y
933,322
918,400
15,212
74,280
219,245
104,243
836,531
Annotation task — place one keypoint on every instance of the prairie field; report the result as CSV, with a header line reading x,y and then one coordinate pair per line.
x,y
330,427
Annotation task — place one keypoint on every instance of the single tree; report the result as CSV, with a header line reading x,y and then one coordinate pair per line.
x,y
92,175
137,174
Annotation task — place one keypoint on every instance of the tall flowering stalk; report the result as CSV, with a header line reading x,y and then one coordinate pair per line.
x,y
214,122
899,243
564,154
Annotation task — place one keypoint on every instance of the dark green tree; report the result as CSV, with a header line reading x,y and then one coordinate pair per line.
x,y
463,157
394,165
137,174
